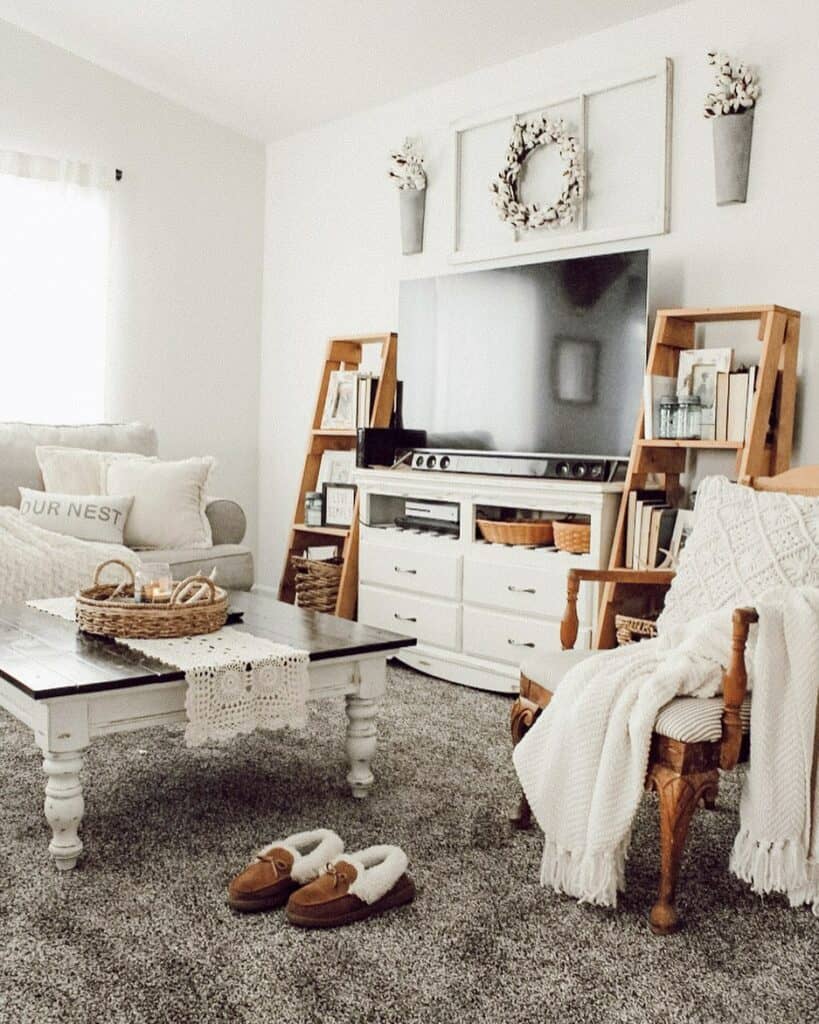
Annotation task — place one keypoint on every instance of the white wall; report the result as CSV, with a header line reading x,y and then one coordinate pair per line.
x,y
186,290
332,249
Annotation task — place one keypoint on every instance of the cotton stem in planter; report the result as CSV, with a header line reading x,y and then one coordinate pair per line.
x,y
408,173
731,108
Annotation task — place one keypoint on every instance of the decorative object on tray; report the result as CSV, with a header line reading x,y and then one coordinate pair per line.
x,y
731,109
338,504
527,136
153,582
408,173
633,628
526,532
195,605
572,536
317,582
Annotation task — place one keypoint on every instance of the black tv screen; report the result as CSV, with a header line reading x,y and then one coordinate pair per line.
x,y
543,358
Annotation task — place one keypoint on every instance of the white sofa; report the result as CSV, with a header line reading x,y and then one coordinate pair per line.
x,y
18,468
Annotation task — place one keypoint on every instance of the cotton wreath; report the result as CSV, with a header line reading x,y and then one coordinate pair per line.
x,y
527,136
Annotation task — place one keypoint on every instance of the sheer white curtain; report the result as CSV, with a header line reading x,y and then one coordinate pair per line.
x,y
54,268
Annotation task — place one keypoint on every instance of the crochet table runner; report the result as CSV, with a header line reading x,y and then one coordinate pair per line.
x,y
237,682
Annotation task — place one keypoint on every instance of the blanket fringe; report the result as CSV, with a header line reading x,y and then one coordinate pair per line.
x,y
589,877
780,865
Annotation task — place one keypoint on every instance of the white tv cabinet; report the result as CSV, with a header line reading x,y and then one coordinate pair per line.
x,y
477,609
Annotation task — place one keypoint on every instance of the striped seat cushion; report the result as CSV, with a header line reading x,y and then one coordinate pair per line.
x,y
697,719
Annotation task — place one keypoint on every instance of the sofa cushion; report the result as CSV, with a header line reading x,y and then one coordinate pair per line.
x,y
169,501
18,441
233,564
549,667
77,470
86,517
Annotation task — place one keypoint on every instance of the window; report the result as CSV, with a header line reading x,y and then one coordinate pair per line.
x,y
54,246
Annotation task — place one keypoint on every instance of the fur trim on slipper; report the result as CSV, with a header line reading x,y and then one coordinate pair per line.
x,y
378,868
307,866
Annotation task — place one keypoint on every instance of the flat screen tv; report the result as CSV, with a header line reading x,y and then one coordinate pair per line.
x,y
546,358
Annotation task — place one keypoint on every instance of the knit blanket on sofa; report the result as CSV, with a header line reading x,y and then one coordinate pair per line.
x,y
583,763
36,563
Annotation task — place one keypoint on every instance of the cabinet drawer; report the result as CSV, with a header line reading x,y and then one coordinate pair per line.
x,y
510,638
530,590
430,621
421,572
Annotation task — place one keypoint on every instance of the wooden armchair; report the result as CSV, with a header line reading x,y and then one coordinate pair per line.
x,y
683,771
693,737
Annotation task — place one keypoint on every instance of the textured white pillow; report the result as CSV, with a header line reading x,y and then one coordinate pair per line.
x,y
88,517
169,501
77,470
743,543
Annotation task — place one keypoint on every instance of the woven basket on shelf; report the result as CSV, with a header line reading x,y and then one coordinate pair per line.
x,y
196,605
573,537
531,532
317,582
631,629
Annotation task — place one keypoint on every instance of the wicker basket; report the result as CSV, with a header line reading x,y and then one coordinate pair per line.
x,y
631,629
109,609
531,532
573,537
317,582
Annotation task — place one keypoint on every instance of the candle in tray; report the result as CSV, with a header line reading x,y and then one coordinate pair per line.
x,y
153,582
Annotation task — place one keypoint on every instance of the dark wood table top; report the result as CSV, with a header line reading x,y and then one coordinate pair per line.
x,y
45,656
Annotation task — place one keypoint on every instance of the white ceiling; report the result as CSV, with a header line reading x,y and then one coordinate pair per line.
x,y
269,68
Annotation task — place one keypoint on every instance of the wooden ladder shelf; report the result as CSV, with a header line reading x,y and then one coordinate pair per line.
x,y
767,447
342,354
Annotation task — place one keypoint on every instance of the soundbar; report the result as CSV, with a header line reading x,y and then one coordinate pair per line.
x,y
546,467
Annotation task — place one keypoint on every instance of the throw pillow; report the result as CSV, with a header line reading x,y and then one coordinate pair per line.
x,y
77,470
169,501
743,543
86,517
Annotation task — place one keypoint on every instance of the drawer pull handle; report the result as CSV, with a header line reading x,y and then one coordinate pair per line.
x,y
405,618
519,643
521,590
409,572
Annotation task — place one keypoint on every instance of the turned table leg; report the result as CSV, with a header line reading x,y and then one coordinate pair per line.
x,y
362,707
64,805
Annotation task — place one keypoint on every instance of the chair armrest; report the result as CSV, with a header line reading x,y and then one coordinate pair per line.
x,y
734,687
569,623
227,520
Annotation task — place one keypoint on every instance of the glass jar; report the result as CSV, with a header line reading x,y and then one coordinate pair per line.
x,y
669,408
153,583
689,418
312,508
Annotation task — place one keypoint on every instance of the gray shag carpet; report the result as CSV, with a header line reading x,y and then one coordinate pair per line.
x,y
140,931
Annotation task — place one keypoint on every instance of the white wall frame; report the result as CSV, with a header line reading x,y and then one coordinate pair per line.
x,y
657,77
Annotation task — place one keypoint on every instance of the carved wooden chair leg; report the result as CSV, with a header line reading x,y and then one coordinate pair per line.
x,y
522,718
679,796
709,798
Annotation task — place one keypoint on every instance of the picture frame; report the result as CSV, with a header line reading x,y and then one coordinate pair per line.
x,y
336,467
683,526
338,507
719,358
341,404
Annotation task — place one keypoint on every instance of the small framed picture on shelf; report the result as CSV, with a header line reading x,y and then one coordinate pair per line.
x,y
341,404
335,468
683,525
339,505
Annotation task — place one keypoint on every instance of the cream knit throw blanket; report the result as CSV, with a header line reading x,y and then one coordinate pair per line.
x,y
582,765
37,563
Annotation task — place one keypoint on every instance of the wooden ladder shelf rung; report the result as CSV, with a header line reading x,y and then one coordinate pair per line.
x,y
342,354
765,451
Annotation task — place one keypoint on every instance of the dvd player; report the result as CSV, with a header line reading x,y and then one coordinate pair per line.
x,y
600,469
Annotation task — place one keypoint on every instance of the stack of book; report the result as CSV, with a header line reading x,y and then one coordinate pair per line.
x,y
367,385
649,529
734,402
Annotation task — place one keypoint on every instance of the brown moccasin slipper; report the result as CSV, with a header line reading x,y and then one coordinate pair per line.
x,y
353,887
282,867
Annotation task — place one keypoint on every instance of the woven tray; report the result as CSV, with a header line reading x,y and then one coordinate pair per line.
x,y
109,609
317,582
630,629
532,533
573,537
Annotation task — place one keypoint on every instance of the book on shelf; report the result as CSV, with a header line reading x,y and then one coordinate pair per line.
x,y
650,525
737,406
638,502
721,417
655,387
367,385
